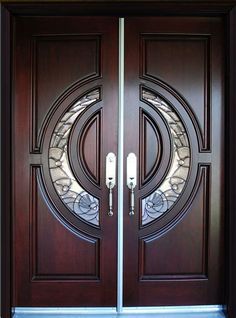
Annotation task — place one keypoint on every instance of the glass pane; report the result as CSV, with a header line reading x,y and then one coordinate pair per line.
x,y
164,197
81,203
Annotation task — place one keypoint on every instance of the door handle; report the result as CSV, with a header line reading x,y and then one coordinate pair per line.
x,y
110,178
131,167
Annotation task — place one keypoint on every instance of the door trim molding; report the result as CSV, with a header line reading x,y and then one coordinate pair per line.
x,y
214,8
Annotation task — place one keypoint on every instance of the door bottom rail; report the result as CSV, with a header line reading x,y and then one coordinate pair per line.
x,y
208,311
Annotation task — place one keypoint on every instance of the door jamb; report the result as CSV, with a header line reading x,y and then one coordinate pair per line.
x,y
225,9
5,163
231,156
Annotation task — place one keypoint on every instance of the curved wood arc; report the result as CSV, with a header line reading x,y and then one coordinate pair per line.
x,y
89,148
151,147
163,160
79,146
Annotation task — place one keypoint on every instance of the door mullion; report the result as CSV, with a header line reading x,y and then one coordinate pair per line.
x,y
120,168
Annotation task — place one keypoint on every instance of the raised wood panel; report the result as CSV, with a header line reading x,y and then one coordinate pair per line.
x,y
89,148
67,248
188,237
51,72
150,147
186,54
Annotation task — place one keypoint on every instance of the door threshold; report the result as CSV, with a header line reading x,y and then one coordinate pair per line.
x,y
215,311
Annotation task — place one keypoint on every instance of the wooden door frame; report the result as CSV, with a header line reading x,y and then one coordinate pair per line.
x,y
218,8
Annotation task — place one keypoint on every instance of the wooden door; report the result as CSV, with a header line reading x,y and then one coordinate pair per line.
x,y
173,244
65,94
65,122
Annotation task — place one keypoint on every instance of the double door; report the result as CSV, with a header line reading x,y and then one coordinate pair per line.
x,y
78,133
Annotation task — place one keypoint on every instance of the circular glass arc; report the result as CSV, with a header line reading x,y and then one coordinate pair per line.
x,y
164,197
80,202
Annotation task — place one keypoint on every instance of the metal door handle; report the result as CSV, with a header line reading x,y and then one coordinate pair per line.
x,y
131,178
131,211
110,178
110,212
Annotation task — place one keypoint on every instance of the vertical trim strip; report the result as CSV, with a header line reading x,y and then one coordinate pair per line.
x,y
120,169
230,157
6,159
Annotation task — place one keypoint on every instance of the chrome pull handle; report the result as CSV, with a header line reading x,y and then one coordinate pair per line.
x,y
131,211
110,179
131,178
110,212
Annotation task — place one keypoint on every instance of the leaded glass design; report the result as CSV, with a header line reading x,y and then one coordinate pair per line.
x,y
81,203
164,197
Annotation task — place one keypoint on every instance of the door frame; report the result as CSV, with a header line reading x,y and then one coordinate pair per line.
x,y
121,8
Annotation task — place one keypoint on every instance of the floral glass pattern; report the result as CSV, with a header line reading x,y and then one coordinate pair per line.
x,y
168,192
81,203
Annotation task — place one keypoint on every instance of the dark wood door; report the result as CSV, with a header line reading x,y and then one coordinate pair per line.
x,y
65,122
65,92
173,243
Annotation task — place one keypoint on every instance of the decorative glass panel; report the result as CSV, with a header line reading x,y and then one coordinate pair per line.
x,y
81,203
164,197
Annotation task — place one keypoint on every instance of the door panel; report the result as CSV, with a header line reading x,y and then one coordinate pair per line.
x,y
174,94
65,94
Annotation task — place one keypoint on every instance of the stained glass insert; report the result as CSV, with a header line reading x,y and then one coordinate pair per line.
x,y
169,191
76,199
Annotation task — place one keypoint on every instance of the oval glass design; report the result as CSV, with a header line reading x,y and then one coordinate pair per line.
x,y
169,191
81,203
